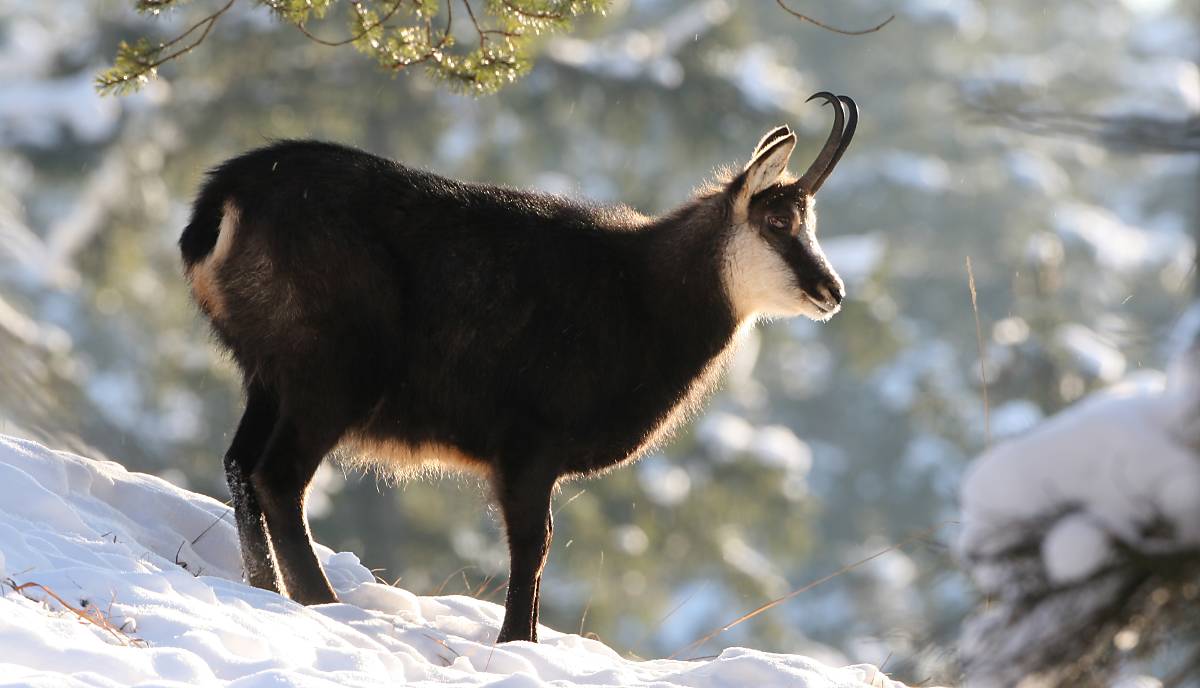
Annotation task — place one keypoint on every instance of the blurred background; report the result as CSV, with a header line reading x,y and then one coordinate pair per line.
x,y
1052,143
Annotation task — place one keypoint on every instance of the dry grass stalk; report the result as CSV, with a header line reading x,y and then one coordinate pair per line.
x,y
92,615
805,588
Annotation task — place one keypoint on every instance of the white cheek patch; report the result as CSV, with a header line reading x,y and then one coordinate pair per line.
x,y
757,280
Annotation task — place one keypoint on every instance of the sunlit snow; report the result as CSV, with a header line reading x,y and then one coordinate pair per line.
x,y
157,567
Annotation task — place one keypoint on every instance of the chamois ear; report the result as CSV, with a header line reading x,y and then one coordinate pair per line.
x,y
770,137
769,161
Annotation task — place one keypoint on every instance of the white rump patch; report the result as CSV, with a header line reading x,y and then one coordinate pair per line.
x,y
229,223
203,275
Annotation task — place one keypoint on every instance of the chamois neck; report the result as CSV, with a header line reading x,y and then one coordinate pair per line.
x,y
683,264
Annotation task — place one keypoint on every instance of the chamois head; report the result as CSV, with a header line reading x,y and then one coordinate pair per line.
x,y
773,263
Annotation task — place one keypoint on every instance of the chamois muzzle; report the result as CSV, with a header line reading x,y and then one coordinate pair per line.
x,y
845,121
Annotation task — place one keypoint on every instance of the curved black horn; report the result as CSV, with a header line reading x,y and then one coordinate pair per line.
x,y
847,136
816,172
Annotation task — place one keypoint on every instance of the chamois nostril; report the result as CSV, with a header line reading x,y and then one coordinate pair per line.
x,y
831,294
837,293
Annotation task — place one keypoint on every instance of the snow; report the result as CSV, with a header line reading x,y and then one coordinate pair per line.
x,y
1165,35
1051,518
1155,85
933,363
725,435
778,446
1014,417
1091,353
966,16
1117,245
1116,459
33,110
642,54
1074,548
160,565
31,332
894,571
855,255
1038,172
903,168
728,437
766,82
747,559
664,483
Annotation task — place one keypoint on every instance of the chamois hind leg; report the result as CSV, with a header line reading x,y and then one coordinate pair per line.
x,y
247,447
281,480
525,502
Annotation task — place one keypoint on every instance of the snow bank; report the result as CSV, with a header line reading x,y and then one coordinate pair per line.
x,y
1116,466
160,564
1061,526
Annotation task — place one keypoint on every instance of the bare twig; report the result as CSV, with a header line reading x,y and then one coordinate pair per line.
x,y
435,49
444,644
573,498
484,33
588,606
210,527
206,22
805,588
366,30
658,624
528,14
441,588
487,582
498,587
827,27
1131,133
475,22
97,618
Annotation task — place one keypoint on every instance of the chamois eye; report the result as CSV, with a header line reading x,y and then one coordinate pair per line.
x,y
779,222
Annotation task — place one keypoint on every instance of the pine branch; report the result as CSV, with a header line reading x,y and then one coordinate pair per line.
x,y
363,31
504,30
136,63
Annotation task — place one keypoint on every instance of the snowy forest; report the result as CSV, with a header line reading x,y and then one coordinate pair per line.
x,y
983,471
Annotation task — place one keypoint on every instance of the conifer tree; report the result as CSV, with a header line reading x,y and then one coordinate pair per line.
x,y
476,46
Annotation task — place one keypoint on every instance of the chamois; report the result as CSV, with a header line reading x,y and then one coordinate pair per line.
x,y
396,318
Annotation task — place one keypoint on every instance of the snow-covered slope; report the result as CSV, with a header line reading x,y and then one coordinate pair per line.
x,y
159,565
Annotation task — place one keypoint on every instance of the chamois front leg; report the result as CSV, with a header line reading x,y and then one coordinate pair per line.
x,y
525,503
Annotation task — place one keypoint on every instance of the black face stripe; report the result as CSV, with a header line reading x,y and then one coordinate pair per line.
x,y
797,205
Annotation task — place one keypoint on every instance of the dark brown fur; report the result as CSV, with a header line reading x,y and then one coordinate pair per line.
x,y
408,317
